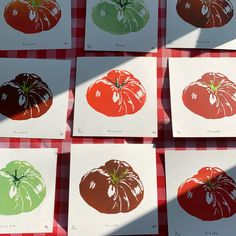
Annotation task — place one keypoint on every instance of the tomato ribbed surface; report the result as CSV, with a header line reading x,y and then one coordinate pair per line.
x,y
212,97
209,195
22,188
205,13
117,94
120,16
112,188
25,97
27,18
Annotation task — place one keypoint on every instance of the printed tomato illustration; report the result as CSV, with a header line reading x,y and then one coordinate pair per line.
x,y
25,97
205,14
209,195
112,188
212,97
22,188
117,94
32,16
120,16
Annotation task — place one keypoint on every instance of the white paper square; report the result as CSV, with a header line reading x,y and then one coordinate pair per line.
x,y
39,219
181,34
182,165
89,122
58,37
185,123
144,40
141,220
56,74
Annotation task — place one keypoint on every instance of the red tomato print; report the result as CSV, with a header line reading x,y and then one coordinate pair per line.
x,y
212,97
112,188
117,94
209,195
32,16
205,13
25,97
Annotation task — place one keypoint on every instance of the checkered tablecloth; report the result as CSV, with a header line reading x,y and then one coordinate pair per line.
x,y
164,140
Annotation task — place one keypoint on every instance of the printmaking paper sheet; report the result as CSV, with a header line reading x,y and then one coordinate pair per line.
x,y
190,27
121,26
34,97
25,27
27,178
92,199
205,107
122,104
187,214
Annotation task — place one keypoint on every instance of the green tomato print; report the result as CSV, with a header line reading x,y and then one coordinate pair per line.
x,y
120,16
22,188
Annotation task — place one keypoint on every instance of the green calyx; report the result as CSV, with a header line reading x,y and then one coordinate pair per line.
x,y
210,184
15,178
122,3
115,178
120,86
214,87
26,87
35,3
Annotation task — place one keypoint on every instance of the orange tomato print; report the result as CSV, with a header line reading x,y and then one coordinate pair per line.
x,y
119,93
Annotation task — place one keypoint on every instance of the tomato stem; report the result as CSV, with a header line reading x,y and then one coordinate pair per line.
x,y
122,3
36,3
120,86
26,88
116,178
213,87
16,180
210,184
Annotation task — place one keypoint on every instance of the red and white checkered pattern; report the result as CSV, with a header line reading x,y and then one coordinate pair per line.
x,y
163,142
